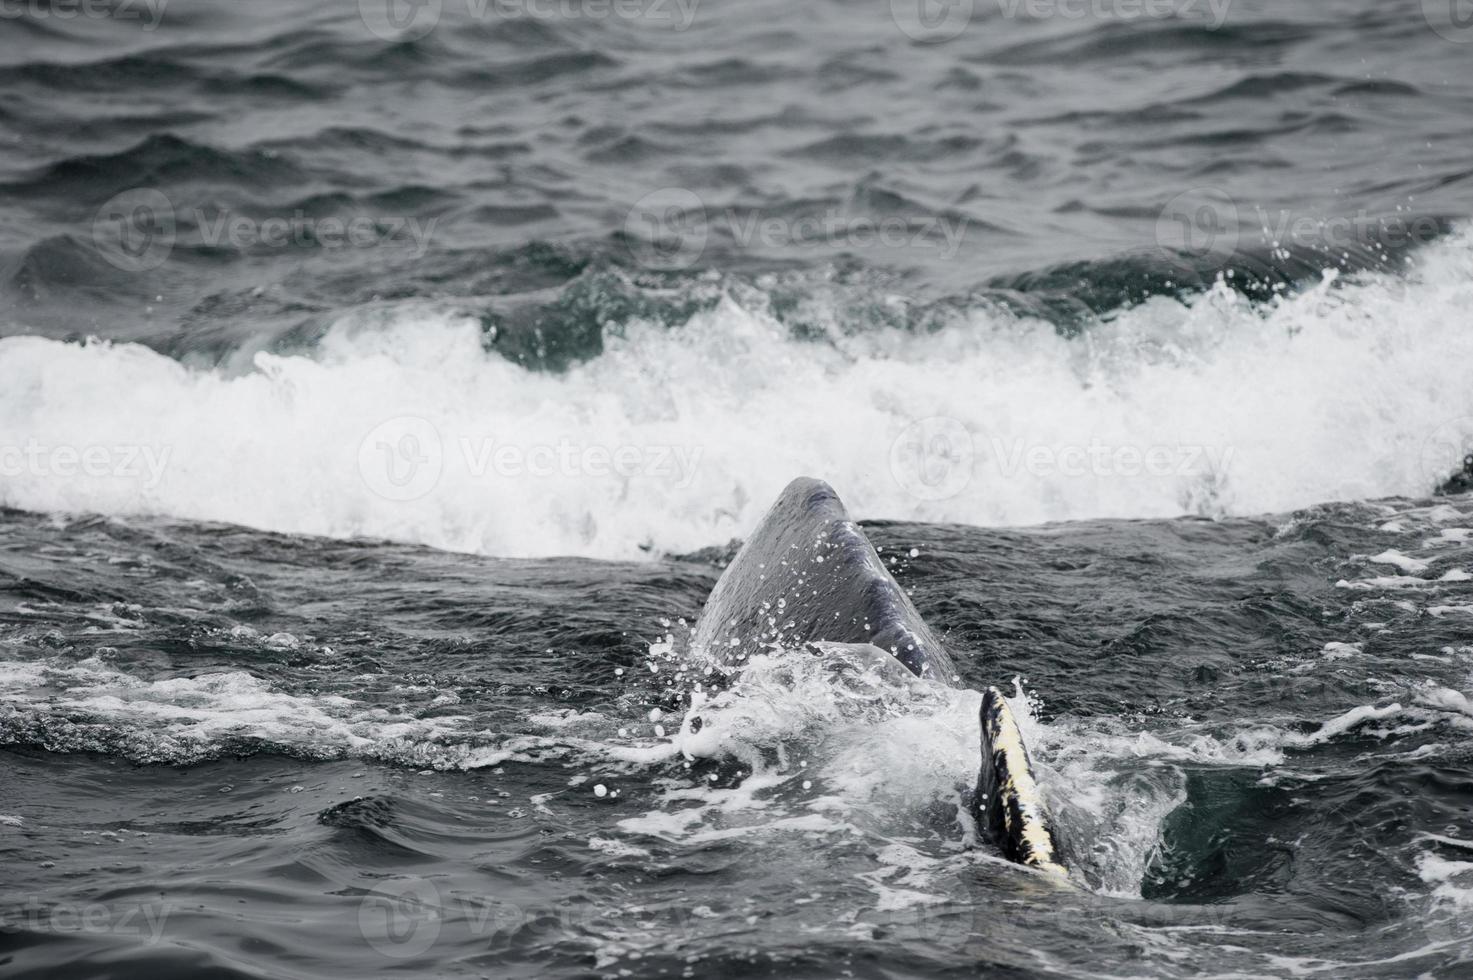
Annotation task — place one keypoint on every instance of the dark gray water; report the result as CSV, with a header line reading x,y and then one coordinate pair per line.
x,y
381,386
550,150
249,755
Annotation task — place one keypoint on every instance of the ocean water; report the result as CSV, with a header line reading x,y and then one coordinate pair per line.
x,y
383,387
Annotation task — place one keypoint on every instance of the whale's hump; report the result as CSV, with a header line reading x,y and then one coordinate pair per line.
x,y
808,574
808,579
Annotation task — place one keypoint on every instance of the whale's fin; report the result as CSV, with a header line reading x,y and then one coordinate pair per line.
x,y
1007,804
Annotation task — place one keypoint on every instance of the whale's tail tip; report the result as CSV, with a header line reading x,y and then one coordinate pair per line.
x,y
1007,803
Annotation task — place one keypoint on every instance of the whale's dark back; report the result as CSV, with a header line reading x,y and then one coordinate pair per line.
x,y
808,574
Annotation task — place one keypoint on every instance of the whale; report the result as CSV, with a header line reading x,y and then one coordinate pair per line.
x,y
807,579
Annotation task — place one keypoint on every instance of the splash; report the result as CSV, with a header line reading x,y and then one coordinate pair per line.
x,y
400,424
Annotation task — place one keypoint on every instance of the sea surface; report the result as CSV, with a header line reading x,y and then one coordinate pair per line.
x,y
384,386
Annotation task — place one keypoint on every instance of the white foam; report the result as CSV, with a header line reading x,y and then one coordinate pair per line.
x,y
1449,841
867,748
187,718
1382,583
617,848
1355,391
905,878
1342,723
1409,565
1446,700
1435,869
